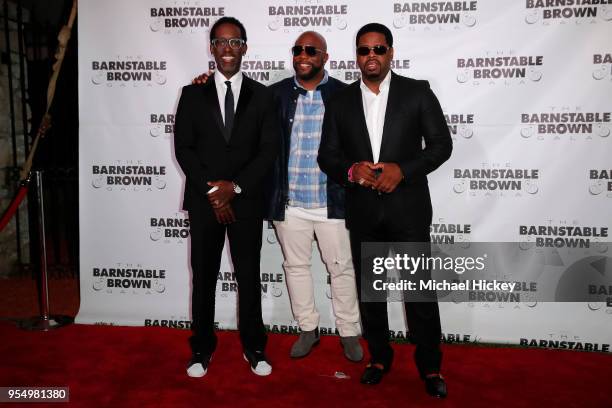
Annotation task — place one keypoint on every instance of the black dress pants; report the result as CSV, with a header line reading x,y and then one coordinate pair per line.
x,y
207,240
423,318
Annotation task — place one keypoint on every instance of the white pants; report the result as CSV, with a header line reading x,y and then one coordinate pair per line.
x,y
296,236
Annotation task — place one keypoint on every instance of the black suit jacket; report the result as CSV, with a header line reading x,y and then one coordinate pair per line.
x,y
204,155
413,115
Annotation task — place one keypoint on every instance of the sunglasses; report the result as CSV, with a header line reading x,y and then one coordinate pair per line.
x,y
311,51
234,43
378,50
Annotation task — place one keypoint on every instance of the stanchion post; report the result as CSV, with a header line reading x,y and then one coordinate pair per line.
x,y
45,321
44,282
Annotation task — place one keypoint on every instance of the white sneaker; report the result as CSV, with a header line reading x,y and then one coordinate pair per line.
x,y
198,365
196,370
259,365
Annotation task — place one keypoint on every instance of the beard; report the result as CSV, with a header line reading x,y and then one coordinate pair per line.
x,y
306,76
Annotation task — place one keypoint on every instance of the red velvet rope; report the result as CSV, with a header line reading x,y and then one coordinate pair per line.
x,y
10,211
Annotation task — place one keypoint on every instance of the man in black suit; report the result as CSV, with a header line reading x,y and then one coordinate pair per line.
x,y
372,143
226,140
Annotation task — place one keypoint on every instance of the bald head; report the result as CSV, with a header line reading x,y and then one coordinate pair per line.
x,y
312,38
309,58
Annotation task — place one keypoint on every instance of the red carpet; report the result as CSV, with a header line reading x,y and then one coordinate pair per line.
x,y
19,297
145,367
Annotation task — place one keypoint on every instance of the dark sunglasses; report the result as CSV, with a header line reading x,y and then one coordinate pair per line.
x,y
311,51
378,50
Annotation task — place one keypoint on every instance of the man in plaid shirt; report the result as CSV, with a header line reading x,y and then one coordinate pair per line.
x,y
305,205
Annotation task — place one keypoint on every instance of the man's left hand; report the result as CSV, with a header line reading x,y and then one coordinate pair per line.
x,y
389,178
223,195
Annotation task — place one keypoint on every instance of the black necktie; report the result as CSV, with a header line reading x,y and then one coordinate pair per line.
x,y
229,110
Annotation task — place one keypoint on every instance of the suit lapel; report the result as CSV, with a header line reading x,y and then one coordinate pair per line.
x,y
392,101
243,100
363,134
212,100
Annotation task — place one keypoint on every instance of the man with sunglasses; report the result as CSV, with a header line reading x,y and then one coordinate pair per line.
x,y
372,143
226,140
306,205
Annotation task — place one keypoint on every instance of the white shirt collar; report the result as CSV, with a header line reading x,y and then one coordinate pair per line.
x,y
236,79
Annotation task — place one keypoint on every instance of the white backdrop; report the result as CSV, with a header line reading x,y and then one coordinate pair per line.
x,y
499,68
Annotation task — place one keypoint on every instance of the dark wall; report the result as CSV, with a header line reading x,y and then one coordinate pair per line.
x,y
57,154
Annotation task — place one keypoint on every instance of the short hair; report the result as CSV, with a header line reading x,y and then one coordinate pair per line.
x,y
228,20
375,28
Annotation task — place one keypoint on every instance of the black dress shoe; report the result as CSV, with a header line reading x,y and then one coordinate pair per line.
x,y
435,386
372,375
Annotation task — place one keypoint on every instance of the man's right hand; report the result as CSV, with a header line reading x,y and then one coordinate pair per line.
x,y
364,173
225,215
202,78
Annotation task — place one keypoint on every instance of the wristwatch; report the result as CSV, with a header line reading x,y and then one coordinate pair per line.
x,y
237,188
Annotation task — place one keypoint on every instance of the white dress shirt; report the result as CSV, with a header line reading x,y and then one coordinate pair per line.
x,y
374,108
236,81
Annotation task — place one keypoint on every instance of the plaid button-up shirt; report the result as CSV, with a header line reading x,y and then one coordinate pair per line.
x,y
307,183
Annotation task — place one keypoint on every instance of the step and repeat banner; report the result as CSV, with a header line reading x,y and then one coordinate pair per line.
x,y
526,87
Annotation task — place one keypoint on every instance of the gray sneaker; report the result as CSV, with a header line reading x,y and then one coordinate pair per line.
x,y
352,348
305,343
